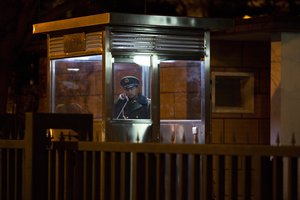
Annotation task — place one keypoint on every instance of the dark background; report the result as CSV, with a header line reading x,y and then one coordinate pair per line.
x,y
19,52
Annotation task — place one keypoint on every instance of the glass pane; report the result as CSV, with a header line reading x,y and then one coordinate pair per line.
x,y
181,97
132,90
76,85
180,90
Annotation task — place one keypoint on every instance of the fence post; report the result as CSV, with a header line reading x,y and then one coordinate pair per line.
x,y
27,159
257,177
206,183
133,176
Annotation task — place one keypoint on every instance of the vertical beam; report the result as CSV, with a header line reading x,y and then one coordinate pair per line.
x,y
206,107
113,183
16,165
247,181
8,178
27,158
65,171
159,183
192,177
180,176
133,180
49,176
84,176
57,167
93,175
102,175
147,171
206,185
123,176
170,179
257,177
220,177
277,178
292,174
234,177
1,174
155,100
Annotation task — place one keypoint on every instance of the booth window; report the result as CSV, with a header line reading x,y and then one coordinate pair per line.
x,y
181,100
76,85
127,107
232,92
180,90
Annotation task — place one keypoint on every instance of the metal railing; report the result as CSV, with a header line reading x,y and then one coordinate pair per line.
x,y
95,170
174,171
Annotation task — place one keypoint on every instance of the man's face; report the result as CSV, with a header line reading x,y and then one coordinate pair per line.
x,y
131,92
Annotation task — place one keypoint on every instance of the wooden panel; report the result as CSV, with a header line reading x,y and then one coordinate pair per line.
x,y
261,107
221,55
256,54
173,79
94,105
241,131
246,57
264,81
180,106
227,115
167,109
264,131
217,131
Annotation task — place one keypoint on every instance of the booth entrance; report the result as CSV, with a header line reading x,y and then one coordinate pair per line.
x,y
169,56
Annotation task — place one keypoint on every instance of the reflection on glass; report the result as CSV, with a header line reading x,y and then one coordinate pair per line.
x,y
76,85
181,101
132,91
180,90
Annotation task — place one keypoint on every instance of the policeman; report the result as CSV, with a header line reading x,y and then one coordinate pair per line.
x,y
131,104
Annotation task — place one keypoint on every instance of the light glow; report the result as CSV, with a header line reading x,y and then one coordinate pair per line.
x,y
85,58
246,17
142,60
73,69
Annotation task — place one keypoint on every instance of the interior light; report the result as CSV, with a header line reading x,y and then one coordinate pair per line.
x,y
73,69
142,60
169,61
84,58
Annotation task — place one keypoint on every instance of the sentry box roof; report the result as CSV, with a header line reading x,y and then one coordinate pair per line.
x,y
133,20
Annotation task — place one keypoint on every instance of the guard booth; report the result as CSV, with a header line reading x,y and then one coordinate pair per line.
x,y
88,56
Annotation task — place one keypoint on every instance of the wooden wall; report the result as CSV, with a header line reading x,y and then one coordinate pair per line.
x,y
241,56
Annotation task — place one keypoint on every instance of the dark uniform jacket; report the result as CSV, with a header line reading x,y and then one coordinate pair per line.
x,y
137,108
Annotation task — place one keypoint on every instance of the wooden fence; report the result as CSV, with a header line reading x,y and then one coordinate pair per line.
x,y
36,169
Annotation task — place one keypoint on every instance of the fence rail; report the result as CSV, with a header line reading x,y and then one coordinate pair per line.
x,y
31,168
188,171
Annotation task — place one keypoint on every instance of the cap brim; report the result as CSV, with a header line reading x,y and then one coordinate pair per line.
x,y
129,86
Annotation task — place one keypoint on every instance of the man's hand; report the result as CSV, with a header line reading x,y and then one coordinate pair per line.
x,y
123,97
